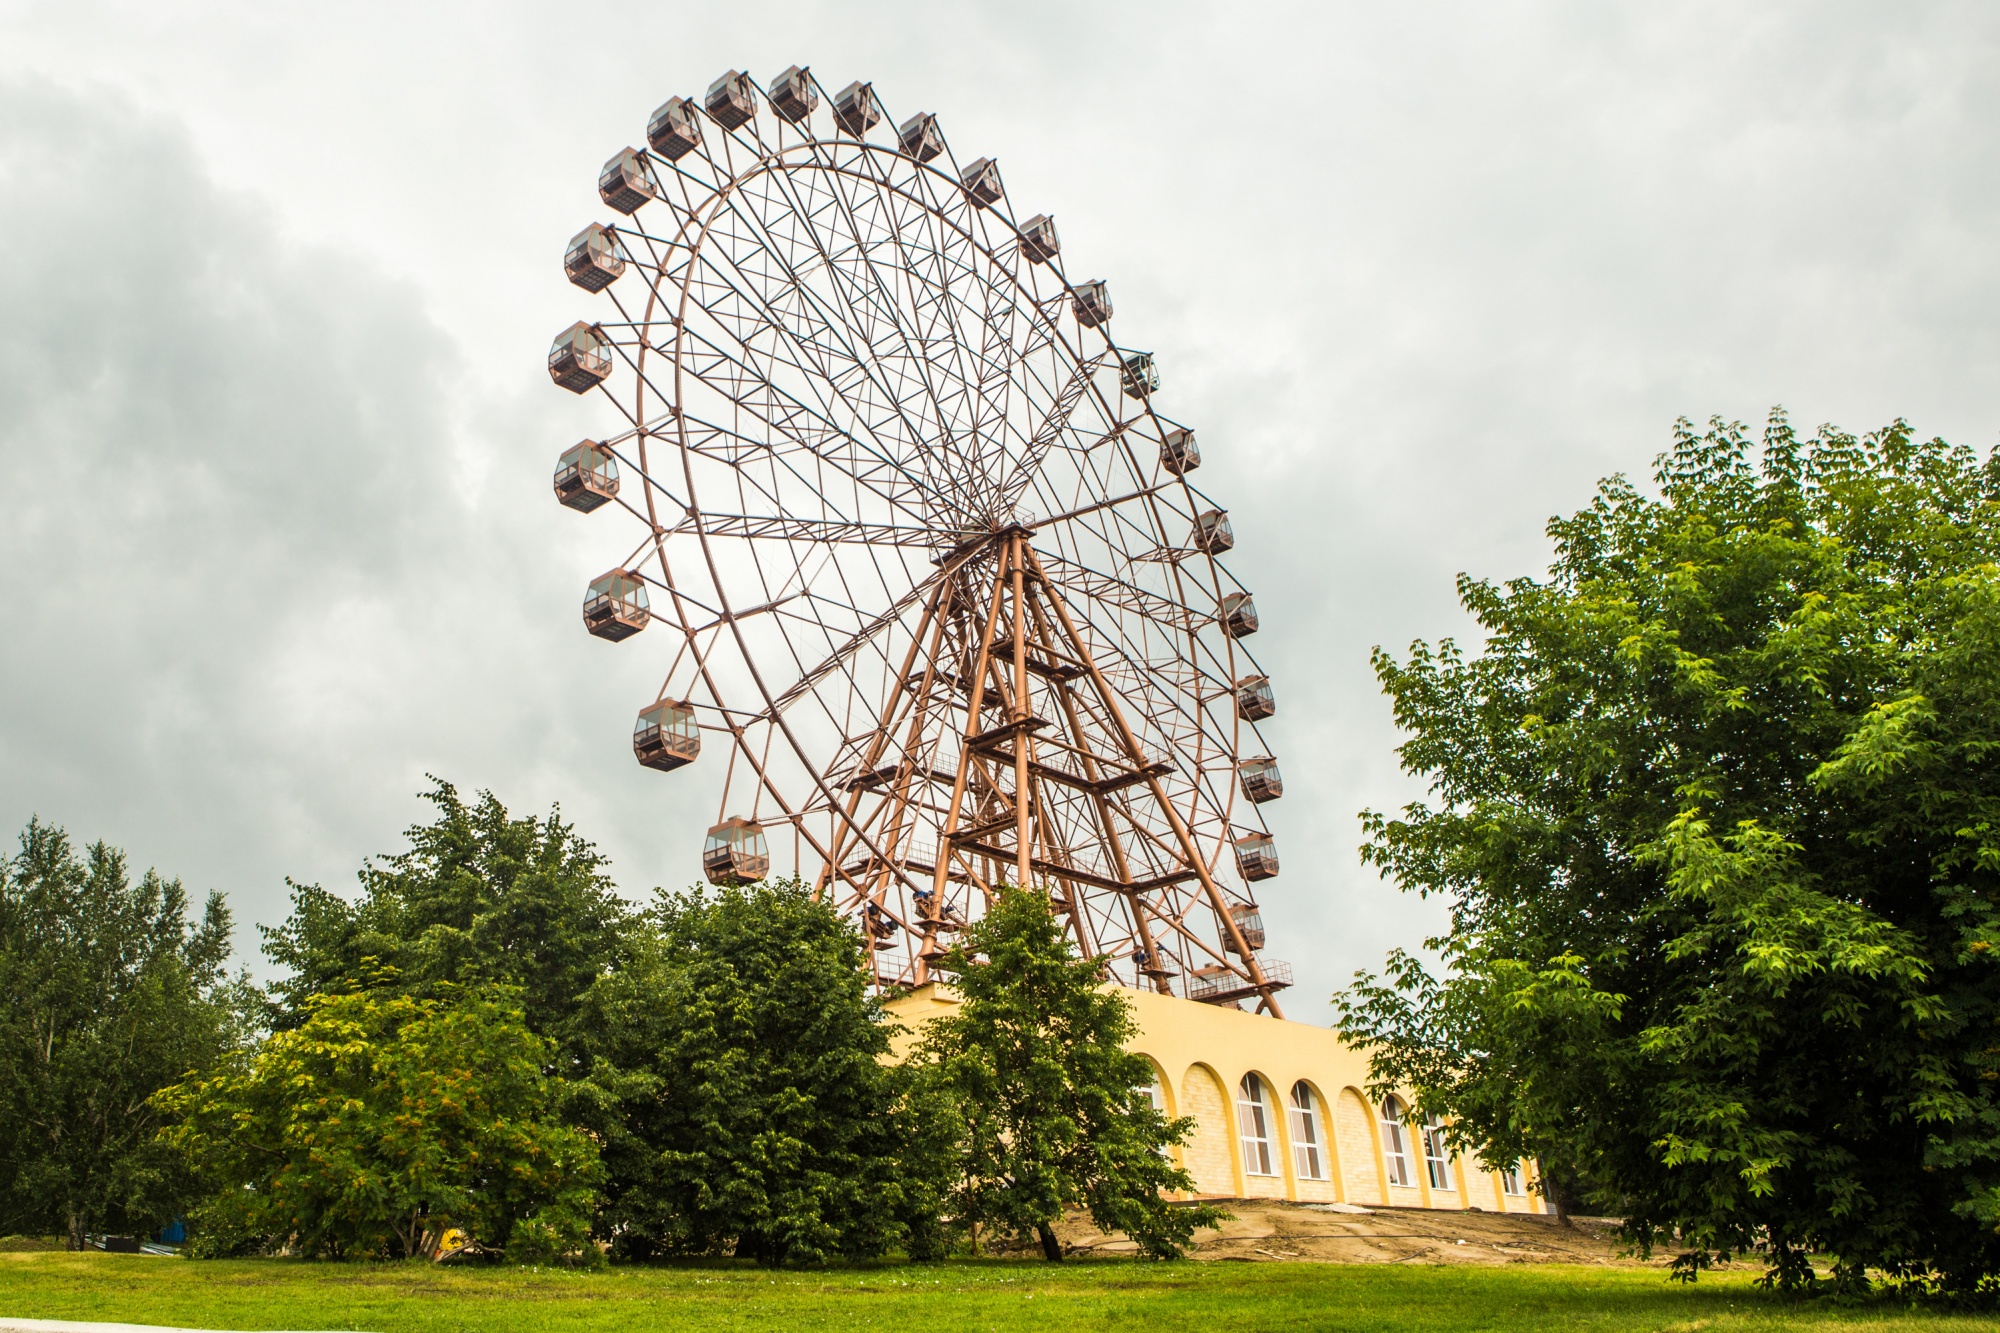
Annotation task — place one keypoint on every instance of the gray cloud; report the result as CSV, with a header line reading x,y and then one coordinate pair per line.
x,y
273,307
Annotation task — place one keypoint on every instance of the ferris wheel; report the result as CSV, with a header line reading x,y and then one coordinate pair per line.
x,y
939,593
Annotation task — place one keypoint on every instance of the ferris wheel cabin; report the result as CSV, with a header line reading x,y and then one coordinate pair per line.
x,y
666,737
675,130
856,110
735,853
731,99
919,138
1257,857
1091,302
580,360
616,608
1178,452
1212,533
1138,375
627,183
1249,919
1254,700
792,94
1261,779
586,477
1239,615
982,182
595,258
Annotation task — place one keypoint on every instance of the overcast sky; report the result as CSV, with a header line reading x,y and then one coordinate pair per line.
x,y
276,283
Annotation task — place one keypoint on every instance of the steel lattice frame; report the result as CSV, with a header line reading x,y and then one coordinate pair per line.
x,y
923,555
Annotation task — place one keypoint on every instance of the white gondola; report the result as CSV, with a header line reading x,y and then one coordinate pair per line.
x,y
792,94
731,100
856,111
1137,375
675,129
586,476
595,258
1091,302
1256,857
982,181
1178,452
735,853
1239,615
1261,780
1249,919
1212,533
1254,700
919,137
616,606
580,358
1039,241
665,737
627,183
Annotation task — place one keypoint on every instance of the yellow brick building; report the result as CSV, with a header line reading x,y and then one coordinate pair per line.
x,y
1281,1112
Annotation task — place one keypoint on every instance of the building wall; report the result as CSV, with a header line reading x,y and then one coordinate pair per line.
x,y
1203,1051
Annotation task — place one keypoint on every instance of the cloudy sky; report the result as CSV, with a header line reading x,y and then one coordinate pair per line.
x,y
276,283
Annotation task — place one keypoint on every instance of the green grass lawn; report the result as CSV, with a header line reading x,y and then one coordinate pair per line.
x,y
1160,1298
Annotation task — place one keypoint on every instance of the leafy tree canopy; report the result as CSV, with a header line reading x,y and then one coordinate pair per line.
x,y
479,897
745,1105
380,1125
109,991
1055,1109
1718,814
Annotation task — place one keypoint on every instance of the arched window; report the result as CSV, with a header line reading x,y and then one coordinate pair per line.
x,y
1253,1110
1157,1095
1306,1159
1510,1180
1437,1159
1395,1147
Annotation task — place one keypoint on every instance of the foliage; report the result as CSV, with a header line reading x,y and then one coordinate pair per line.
x,y
378,1125
1718,815
479,897
744,1101
1055,1109
108,992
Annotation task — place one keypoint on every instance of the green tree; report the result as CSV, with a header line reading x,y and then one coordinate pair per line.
x,y
479,897
108,992
1718,814
1054,1109
743,1097
380,1124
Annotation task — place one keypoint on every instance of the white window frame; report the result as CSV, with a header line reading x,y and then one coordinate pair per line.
x,y
1253,1115
1437,1158
1308,1160
1511,1182
1395,1148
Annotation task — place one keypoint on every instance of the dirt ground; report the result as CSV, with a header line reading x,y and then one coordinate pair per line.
x,y
1266,1231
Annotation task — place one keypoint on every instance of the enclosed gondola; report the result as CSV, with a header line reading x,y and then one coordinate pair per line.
x,y
1239,615
735,853
1249,919
731,99
580,358
1091,302
1212,532
1260,779
1178,452
616,607
982,182
586,476
1039,241
1137,375
856,110
627,183
792,94
666,737
1256,857
919,137
674,130
1254,700
595,258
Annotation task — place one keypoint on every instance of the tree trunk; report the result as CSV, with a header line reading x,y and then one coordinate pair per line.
x,y
75,1230
1051,1247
